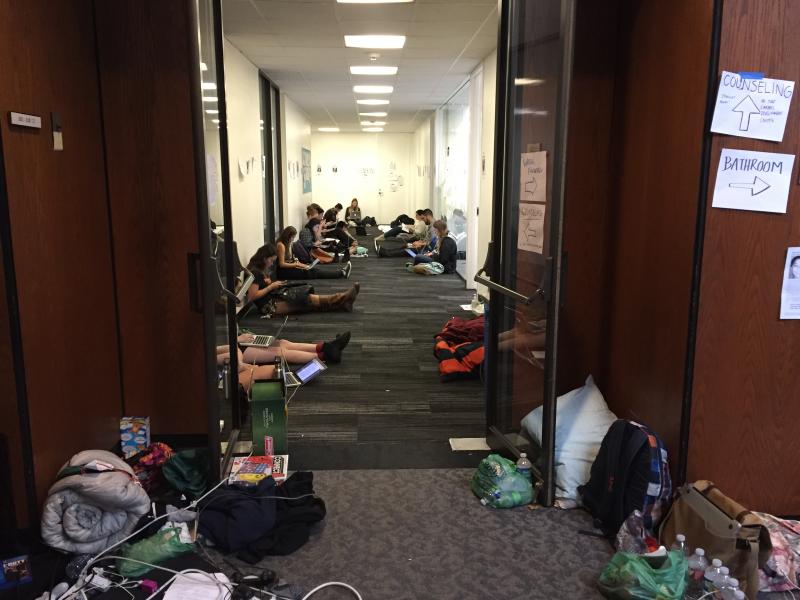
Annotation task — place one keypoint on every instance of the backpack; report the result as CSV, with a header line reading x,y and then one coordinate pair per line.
x,y
300,253
629,473
392,247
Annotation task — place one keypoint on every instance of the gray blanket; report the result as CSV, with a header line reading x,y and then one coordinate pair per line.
x,y
87,512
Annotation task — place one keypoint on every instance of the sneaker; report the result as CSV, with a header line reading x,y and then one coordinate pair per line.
x,y
347,268
375,240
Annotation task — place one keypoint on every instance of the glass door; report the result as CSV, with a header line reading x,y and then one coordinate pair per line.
x,y
525,265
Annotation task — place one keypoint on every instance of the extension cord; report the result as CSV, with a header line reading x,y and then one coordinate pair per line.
x,y
97,580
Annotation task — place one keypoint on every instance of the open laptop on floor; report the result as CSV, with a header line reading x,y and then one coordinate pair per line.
x,y
264,341
304,374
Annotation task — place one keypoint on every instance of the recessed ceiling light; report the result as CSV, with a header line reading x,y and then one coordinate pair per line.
x,y
209,98
203,66
372,102
527,81
215,120
367,70
373,123
373,114
210,111
373,89
374,41
328,129
372,1
208,85
373,129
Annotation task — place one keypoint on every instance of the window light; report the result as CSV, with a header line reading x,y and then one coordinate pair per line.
x,y
328,129
375,41
372,102
367,70
373,89
373,129
373,114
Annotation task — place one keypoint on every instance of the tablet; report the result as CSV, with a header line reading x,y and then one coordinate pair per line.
x,y
310,370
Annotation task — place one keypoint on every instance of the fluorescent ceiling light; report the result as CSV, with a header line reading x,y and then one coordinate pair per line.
x,y
373,123
328,129
375,41
209,98
366,70
527,81
373,1
372,102
210,111
203,66
215,120
373,89
373,129
373,114
530,111
208,85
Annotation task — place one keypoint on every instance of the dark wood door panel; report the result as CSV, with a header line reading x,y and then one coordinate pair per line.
x,y
746,388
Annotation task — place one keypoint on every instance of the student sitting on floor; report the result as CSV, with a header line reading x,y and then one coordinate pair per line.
x,y
406,232
353,213
275,297
424,244
445,252
289,267
345,239
293,352
311,239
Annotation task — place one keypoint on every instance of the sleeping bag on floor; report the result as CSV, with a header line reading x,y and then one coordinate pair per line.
x,y
95,502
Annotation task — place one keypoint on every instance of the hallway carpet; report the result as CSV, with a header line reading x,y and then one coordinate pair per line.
x,y
422,535
385,399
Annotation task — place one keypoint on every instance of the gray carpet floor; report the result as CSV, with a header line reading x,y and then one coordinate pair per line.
x,y
420,534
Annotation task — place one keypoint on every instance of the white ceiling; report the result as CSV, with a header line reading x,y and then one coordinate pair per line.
x,y
299,44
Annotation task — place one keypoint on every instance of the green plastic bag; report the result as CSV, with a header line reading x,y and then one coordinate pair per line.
x,y
631,576
187,471
498,484
159,547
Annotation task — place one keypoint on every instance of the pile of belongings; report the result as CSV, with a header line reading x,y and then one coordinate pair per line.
x,y
459,349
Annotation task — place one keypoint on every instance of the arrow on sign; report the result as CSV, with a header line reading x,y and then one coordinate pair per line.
x,y
746,108
758,186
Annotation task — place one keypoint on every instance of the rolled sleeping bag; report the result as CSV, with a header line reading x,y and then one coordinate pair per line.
x,y
95,503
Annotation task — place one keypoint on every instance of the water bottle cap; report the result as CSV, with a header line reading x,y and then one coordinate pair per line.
x,y
680,537
724,570
523,455
700,552
738,594
716,562
733,582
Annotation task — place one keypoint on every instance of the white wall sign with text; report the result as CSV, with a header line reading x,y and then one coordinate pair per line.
x,y
533,177
531,227
748,180
790,291
752,107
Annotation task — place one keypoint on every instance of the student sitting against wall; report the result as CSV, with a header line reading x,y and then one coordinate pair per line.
x,y
424,243
345,239
274,297
445,252
353,213
406,232
311,239
289,267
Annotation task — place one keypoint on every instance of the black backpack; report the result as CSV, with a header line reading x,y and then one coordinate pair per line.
x,y
392,248
629,473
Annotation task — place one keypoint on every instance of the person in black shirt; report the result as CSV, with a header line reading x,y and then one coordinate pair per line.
x,y
446,250
275,297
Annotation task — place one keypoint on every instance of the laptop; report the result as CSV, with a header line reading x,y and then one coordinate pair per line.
x,y
314,264
264,341
304,374
242,293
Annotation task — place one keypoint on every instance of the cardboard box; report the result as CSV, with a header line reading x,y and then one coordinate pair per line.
x,y
134,434
268,417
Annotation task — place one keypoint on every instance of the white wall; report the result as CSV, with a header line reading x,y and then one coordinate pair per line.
x,y
487,151
244,147
295,135
373,167
422,167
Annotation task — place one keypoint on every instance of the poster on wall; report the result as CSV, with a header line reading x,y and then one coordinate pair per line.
x,y
306,170
530,235
533,177
753,106
748,180
212,179
790,292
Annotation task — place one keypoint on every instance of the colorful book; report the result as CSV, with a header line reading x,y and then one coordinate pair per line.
x,y
249,470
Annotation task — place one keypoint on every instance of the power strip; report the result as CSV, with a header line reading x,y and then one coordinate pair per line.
x,y
98,581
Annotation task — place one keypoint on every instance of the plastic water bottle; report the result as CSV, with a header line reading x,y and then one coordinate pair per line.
x,y
729,589
680,544
278,368
524,466
711,575
696,572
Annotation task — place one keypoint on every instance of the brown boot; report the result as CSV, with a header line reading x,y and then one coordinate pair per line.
x,y
340,301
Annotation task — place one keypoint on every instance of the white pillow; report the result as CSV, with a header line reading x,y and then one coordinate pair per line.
x,y
582,421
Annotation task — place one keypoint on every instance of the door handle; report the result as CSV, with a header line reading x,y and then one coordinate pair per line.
x,y
503,290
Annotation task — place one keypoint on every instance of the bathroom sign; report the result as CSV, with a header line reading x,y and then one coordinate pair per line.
x,y
748,180
753,107
533,177
530,235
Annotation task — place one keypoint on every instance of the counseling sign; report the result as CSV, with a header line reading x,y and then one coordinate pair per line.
x,y
748,180
752,106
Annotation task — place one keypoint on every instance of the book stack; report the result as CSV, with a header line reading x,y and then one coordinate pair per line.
x,y
249,470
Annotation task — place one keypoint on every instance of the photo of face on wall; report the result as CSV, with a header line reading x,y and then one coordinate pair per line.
x,y
794,267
